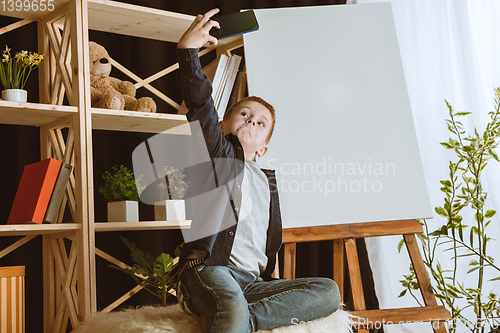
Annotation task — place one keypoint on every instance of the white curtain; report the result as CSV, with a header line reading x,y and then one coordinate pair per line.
x,y
450,50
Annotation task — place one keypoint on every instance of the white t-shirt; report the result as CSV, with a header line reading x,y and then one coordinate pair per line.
x,y
249,248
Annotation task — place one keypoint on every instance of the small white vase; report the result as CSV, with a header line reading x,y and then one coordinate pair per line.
x,y
123,211
15,95
170,210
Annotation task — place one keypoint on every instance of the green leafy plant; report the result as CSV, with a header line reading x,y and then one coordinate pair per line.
x,y
156,275
13,69
120,184
467,241
176,187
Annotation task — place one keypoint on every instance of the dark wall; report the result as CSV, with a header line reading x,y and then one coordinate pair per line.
x,y
20,145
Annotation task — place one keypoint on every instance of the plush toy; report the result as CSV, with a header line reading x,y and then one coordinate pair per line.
x,y
111,93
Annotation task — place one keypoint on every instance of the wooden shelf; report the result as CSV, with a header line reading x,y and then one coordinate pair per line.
x,y
138,21
37,229
124,19
33,114
142,225
133,20
133,121
236,40
41,229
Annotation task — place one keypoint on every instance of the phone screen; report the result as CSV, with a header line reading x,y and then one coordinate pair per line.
x,y
235,24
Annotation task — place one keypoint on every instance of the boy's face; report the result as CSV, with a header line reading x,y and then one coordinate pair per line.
x,y
250,122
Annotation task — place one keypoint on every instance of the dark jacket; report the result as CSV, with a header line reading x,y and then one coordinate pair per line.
x,y
228,161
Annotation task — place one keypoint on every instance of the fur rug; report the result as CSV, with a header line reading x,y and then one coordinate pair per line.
x,y
159,319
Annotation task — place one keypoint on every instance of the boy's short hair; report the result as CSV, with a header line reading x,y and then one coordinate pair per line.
x,y
268,106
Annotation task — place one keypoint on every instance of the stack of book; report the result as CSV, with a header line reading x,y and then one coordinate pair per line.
x,y
40,192
228,83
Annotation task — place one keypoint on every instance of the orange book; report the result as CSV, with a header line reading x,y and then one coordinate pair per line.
x,y
34,191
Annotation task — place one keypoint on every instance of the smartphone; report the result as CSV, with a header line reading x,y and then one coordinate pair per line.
x,y
235,24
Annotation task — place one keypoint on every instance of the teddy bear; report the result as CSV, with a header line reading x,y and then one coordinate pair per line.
x,y
111,93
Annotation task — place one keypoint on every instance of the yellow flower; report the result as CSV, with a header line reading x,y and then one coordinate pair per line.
x,y
24,60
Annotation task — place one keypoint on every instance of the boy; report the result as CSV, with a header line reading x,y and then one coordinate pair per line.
x,y
226,277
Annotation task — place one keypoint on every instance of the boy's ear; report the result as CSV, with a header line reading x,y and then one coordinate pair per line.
x,y
262,151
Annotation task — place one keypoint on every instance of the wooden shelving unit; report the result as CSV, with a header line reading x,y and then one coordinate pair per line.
x,y
69,271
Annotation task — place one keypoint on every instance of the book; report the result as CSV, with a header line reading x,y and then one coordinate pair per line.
x,y
210,69
222,84
239,89
34,191
242,87
219,79
58,193
232,71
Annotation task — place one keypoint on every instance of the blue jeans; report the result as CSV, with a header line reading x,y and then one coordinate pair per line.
x,y
235,301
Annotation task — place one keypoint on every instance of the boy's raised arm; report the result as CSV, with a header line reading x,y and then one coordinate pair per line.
x,y
195,87
197,34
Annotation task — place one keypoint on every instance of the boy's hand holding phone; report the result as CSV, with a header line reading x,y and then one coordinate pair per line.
x,y
197,34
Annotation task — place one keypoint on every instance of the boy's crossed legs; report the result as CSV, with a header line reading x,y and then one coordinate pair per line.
x,y
233,300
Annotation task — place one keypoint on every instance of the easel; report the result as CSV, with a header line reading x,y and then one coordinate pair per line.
x,y
343,236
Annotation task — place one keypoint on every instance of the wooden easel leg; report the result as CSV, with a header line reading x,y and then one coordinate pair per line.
x,y
276,273
338,265
423,278
355,277
289,261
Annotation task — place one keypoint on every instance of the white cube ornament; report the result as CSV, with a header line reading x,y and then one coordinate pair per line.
x,y
170,210
123,211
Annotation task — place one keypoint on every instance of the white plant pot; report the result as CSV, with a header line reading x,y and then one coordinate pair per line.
x,y
123,211
15,95
170,210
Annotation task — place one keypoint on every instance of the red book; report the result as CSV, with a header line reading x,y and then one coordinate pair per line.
x,y
34,191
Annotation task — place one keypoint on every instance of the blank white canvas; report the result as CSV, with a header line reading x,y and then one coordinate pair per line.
x,y
344,146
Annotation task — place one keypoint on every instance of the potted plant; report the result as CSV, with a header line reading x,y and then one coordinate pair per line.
x,y
120,190
171,190
465,238
14,72
156,275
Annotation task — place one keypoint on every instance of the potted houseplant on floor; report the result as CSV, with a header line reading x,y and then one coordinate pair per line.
x,y
171,190
14,72
156,275
463,236
120,190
